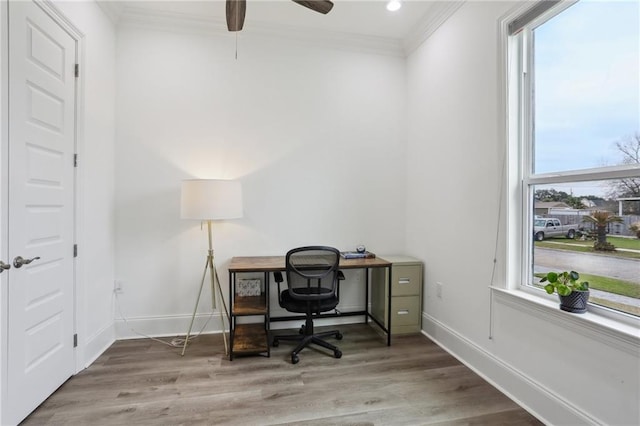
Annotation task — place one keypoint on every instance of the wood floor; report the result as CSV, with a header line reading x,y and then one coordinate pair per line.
x,y
413,382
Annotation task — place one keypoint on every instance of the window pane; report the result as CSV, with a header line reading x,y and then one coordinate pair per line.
x,y
586,85
564,241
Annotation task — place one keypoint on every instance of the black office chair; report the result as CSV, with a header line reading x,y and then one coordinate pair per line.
x,y
312,280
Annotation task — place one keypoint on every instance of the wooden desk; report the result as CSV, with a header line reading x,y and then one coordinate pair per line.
x,y
254,338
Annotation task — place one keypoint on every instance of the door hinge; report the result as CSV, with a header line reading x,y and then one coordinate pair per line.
x,y
75,160
77,70
75,340
75,250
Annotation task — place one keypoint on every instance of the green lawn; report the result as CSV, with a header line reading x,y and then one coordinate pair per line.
x,y
626,243
587,246
610,285
633,310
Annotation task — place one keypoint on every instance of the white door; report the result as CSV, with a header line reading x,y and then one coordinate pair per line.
x,y
42,134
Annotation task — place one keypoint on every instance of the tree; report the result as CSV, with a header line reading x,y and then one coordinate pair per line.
x,y
629,187
559,196
574,202
601,219
550,195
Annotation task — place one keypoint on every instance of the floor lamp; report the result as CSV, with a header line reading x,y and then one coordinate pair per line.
x,y
208,200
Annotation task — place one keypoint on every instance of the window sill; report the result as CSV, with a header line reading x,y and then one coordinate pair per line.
x,y
609,331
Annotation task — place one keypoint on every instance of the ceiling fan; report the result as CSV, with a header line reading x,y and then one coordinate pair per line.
x,y
236,10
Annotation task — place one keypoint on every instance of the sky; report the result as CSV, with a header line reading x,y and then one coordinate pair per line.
x,y
587,86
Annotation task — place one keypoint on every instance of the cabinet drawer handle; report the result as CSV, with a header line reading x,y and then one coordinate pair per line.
x,y
403,312
404,281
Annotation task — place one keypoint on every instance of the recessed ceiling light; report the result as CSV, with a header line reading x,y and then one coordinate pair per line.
x,y
394,5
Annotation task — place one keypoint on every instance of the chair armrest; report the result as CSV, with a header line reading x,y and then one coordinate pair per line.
x,y
340,278
277,276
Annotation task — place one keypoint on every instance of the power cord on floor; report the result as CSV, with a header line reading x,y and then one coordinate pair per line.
x,y
176,342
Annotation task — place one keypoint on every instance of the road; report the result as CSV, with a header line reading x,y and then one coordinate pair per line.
x,y
587,263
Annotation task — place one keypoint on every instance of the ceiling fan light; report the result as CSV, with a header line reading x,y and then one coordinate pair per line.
x,y
394,5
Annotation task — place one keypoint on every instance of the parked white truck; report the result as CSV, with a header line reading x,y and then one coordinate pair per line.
x,y
551,227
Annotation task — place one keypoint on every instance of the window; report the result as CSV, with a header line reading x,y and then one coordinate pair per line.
x,y
574,123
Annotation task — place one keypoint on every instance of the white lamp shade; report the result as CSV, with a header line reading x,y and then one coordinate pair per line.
x,y
211,199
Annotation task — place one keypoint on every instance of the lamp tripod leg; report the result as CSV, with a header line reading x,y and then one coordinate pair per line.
x,y
222,314
213,274
195,309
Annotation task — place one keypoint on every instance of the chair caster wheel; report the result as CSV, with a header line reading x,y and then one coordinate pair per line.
x,y
339,336
337,354
275,343
294,359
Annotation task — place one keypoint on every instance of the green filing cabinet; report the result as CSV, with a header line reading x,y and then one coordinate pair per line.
x,y
406,294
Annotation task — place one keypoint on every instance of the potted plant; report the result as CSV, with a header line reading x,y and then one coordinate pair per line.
x,y
573,294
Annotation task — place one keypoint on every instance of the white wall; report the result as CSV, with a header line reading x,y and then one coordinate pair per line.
x,y
565,374
96,222
315,135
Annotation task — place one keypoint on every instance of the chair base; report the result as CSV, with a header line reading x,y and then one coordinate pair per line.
x,y
305,337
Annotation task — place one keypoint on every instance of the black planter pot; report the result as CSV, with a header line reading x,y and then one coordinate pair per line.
x,y
576,302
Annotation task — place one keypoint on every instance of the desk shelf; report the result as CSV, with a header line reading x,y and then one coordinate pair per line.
x,y
248,336
250,305
250,339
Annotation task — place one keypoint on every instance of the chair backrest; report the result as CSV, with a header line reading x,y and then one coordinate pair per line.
x,y
312,272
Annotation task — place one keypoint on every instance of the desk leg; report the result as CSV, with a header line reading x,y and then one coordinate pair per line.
x,y
267,317
232,320
366,295
389,306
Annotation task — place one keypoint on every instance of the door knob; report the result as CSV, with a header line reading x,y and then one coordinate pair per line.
x,y
4,266
19,261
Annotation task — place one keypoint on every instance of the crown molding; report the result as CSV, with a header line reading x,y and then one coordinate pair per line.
x,y
437,15
134,17
332,39
112,9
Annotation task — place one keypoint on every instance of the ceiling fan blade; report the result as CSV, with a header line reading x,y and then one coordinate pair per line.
x,y
321,6
236,10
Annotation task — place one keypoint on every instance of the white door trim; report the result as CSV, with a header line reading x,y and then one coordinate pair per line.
x,y
52,10
4,176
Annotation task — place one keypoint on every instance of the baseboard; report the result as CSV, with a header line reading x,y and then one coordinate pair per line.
x,y
168,325
526,392
96,344
177,325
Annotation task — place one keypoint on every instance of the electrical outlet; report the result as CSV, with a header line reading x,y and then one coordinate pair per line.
x,y
117,286
439,290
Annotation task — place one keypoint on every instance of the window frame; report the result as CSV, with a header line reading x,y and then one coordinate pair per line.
x,y
516,78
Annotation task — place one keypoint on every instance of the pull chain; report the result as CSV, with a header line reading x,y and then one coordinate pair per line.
x,y
237,29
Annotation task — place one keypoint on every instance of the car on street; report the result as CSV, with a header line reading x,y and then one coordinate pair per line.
x,y
548,227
